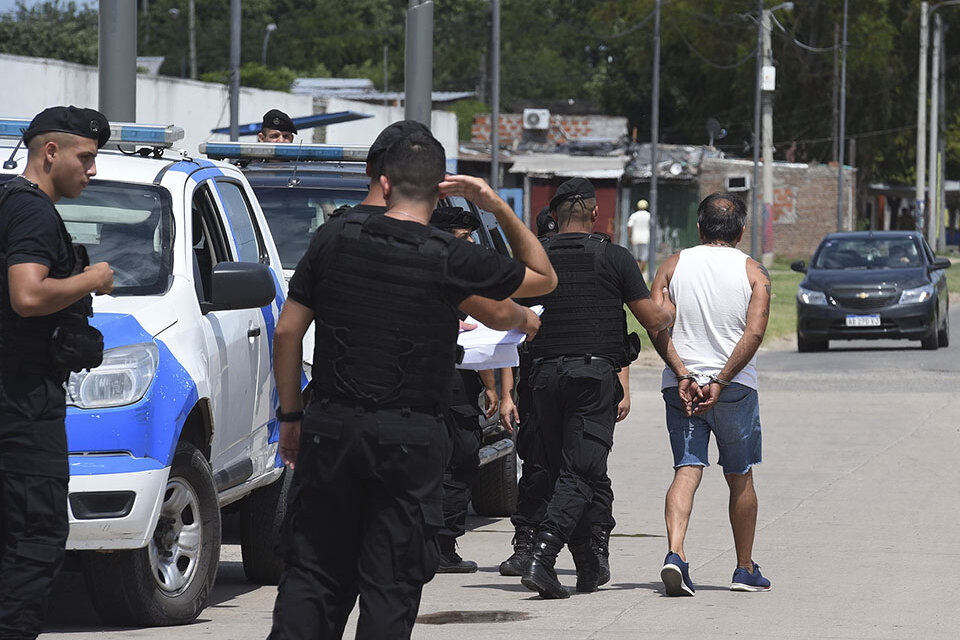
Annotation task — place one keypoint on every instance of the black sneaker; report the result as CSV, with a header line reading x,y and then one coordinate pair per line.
x,y
451,562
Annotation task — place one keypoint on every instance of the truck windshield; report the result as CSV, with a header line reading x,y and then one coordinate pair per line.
x,y
129,226
295,213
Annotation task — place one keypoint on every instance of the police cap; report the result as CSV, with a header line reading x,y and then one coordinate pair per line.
x,y
392,133
572,189
276,119
87,123
545,222
449,218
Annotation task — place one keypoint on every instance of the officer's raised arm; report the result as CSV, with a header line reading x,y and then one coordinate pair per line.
x,y
540,278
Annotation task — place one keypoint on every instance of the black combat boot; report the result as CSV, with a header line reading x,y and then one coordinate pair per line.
x,y
516,564
588,565
450,560
600,541
540,576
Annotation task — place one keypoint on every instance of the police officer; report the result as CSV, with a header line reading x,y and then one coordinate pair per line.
x,y
41,285
574,382
462,417
370,448
276,127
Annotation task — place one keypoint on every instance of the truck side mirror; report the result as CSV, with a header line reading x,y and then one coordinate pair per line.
x,y
799,266
240,285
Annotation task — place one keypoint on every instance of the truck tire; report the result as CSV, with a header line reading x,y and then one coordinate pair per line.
x,y
261,514
495,489
168,581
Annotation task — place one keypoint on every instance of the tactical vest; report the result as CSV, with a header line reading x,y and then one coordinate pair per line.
x,y
580,317
75,345
384,336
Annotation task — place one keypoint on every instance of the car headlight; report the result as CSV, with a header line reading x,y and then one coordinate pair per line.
x,y
122,378
809,296
914,296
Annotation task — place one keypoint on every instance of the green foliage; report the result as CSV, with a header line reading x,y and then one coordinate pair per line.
x,y
465,110
254,74
51,29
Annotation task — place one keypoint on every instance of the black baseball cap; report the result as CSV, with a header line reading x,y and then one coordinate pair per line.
x,y
545,222
78,121
276,119
449,218
392,133
572,189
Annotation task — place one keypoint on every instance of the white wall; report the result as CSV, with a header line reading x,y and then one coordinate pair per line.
x,y
29,85
443,124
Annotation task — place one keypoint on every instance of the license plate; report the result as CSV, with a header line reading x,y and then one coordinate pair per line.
x,y
863,321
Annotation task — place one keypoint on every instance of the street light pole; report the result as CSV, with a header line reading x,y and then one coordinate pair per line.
x,y
654,154
235,22
266,39
755,193
933,209
841,142
495,95
922,112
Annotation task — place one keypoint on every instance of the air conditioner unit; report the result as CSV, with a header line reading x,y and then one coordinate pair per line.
x,y
737,183
536,119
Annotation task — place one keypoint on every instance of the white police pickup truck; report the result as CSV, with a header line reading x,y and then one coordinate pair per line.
x,y
178,422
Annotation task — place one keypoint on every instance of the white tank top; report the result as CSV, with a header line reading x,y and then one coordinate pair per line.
x,y
711,290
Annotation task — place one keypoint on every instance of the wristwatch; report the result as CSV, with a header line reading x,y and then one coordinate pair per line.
x,y
293,416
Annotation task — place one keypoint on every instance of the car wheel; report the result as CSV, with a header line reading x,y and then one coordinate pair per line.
x,y
943,337
808,346
932,341
495,489
261,516
168,581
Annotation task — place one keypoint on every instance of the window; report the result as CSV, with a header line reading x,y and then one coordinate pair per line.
x,y
128,226
250,247
209,246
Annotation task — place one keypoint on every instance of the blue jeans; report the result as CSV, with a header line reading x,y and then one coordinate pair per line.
x,y
734,420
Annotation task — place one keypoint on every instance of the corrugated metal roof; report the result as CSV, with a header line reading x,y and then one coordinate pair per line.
x,y
547,165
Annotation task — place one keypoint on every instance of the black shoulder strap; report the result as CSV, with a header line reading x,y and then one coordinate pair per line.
x,y
13,186
353,224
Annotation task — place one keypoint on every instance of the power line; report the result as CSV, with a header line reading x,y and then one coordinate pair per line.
x,y
710,62
802,45
866,134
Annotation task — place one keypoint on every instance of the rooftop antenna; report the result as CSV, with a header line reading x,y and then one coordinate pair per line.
x,y
11,163
294,180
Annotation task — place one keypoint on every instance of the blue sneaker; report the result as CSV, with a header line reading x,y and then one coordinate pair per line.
x,y
743,580
676,576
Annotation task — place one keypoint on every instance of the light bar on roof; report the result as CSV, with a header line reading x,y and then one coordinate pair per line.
x,y
282,151
153,135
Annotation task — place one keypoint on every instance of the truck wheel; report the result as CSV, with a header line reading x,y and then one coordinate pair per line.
x,y
261,514
495,489
168,581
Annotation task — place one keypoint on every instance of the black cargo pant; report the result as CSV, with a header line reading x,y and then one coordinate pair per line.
x,y
576,404
33,498
362,514
463,430
534,487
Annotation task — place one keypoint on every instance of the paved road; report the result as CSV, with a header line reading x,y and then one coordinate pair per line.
x,y
858,529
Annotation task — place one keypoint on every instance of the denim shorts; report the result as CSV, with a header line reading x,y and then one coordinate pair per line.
x,y
734,420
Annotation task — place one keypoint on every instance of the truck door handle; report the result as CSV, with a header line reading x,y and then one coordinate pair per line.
x,y
253,333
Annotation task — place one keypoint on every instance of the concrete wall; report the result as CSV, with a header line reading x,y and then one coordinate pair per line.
x,y
804,208
443,124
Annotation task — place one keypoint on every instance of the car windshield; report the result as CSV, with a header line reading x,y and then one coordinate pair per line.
x,y
868,253
128,226
295,213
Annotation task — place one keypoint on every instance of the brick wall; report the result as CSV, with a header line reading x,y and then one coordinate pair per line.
x,y
562,128
804,204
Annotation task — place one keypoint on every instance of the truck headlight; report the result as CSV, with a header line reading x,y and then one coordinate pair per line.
x,y
809,296
122,378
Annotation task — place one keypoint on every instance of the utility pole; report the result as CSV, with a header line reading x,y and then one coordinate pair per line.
x,y
654,154
495,95
922,112
755,193
836,90
235,21
117,60
192,27
941,159
843,118
933,192
418,65
769,85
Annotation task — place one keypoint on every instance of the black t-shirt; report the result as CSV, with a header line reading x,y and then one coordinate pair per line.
x,y
30,232
471,269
